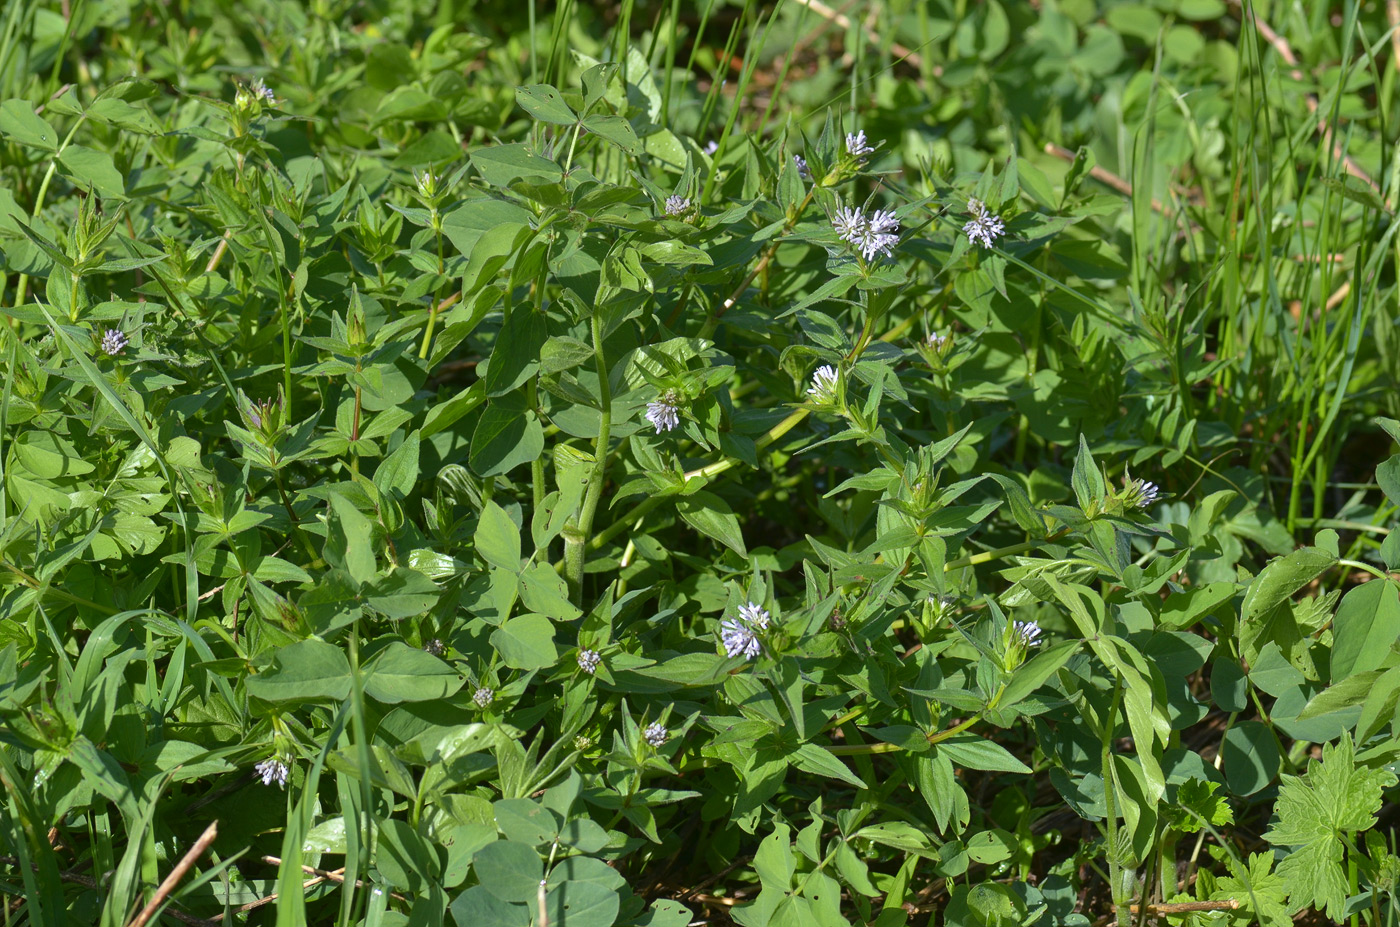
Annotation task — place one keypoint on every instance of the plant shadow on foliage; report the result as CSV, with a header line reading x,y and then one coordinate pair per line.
x,y
664,463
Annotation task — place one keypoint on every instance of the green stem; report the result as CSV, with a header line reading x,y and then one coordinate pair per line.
x,y
577,540
1110,788
39,201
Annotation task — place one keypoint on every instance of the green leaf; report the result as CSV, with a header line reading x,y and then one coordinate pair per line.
x,y
582,904
1365,628
478,907
400,673
348,540
526,821
814,759
19,122
511,871
93,170
516,355
308,669
1036,672
973,752
1260,891
497,538
774,862
526,642
546,104
711,516
1335,799
397,473
404,857
543,590
1281,578
1089,486
401,593
615,129
507,435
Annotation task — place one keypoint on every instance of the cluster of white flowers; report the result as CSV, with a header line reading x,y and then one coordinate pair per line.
x,y
434,647
985,226
937,340
755,615
803,170
823,388
857,146
877,234
738,635
113,342
588,661
664,413
483,696
656,734
677,205
273,770
711,147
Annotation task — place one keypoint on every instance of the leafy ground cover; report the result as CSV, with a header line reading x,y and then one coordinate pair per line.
x,y
661,464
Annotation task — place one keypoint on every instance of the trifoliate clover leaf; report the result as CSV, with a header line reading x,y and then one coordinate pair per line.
x,y
1335,798
1259,891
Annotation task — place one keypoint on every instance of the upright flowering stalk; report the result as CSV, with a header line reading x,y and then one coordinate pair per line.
x,y
985,227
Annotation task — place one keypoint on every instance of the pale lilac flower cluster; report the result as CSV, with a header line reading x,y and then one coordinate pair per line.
x,y
483,696
434,647
857,146
677,205
755,615
664,413
803,170
1140,493
985,226
711,147
823,388
739,634
1026,632
588,661
871,236
937,340
263,92
113,342
656,734
272,770
427,183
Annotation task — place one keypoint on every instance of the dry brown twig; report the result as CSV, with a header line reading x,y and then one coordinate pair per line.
x,y
183,866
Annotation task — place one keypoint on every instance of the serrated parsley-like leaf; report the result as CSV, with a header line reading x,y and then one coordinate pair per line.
x,y
1335,798
1258,890
1199,803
